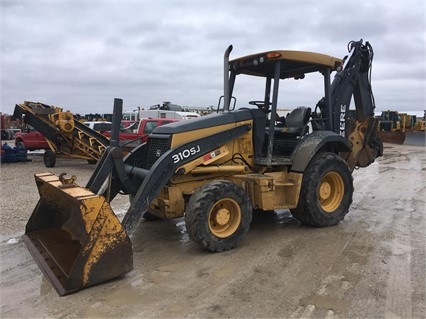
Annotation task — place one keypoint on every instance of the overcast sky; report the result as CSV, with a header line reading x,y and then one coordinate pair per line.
x,y
80,55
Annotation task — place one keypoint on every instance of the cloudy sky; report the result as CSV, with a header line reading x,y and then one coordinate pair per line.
x,y
80,55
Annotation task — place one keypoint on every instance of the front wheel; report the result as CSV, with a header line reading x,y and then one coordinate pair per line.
x,y
218,214
49,158
326,192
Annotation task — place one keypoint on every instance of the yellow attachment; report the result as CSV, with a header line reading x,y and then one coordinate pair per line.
x,y
361,154
75,237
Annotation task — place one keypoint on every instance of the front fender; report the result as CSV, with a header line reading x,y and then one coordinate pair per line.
x,y
313,143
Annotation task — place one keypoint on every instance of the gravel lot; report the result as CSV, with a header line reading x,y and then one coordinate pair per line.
x,y
371,265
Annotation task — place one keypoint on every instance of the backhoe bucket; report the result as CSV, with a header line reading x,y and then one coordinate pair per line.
x,y
75,237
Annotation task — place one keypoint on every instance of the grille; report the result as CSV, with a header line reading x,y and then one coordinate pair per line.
x,y
157,146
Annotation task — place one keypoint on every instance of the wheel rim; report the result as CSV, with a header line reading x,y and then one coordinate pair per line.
x,y
330,191
224,217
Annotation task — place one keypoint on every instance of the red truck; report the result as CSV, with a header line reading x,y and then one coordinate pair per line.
x,y
31,139
137,133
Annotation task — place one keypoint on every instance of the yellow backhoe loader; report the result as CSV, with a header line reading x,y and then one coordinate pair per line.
x,y
215,170
393,126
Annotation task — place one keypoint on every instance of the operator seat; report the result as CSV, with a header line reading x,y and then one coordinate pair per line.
x,y
297,120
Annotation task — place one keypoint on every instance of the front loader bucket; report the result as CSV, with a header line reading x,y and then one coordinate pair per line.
x,y
396,137
75,237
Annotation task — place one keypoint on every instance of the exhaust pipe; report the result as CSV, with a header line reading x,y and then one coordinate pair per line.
x,y
116,121
226,91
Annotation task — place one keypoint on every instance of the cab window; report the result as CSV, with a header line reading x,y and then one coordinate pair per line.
x,y
150,126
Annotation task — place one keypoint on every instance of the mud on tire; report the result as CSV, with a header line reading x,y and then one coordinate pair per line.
x,y
218,214
326,192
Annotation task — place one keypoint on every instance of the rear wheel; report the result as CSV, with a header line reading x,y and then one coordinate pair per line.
x,y
218,214
49,158
326,192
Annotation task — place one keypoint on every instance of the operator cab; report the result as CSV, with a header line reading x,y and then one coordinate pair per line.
x,y
281,138
288,130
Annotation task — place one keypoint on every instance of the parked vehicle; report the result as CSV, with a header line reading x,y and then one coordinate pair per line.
x,y
99,126
180,115
31,139
137,133
393,126
7,132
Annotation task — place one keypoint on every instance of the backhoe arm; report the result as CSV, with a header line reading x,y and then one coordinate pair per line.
x,y
355,80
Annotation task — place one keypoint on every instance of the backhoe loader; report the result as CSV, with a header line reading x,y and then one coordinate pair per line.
x,y
215,170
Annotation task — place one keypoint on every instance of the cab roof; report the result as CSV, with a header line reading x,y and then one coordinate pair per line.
x,y
294,64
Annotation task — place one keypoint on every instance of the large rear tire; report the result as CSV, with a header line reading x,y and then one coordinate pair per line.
x,y
218,214
326,192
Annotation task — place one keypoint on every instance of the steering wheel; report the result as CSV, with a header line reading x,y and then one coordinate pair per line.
x,y
261,104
